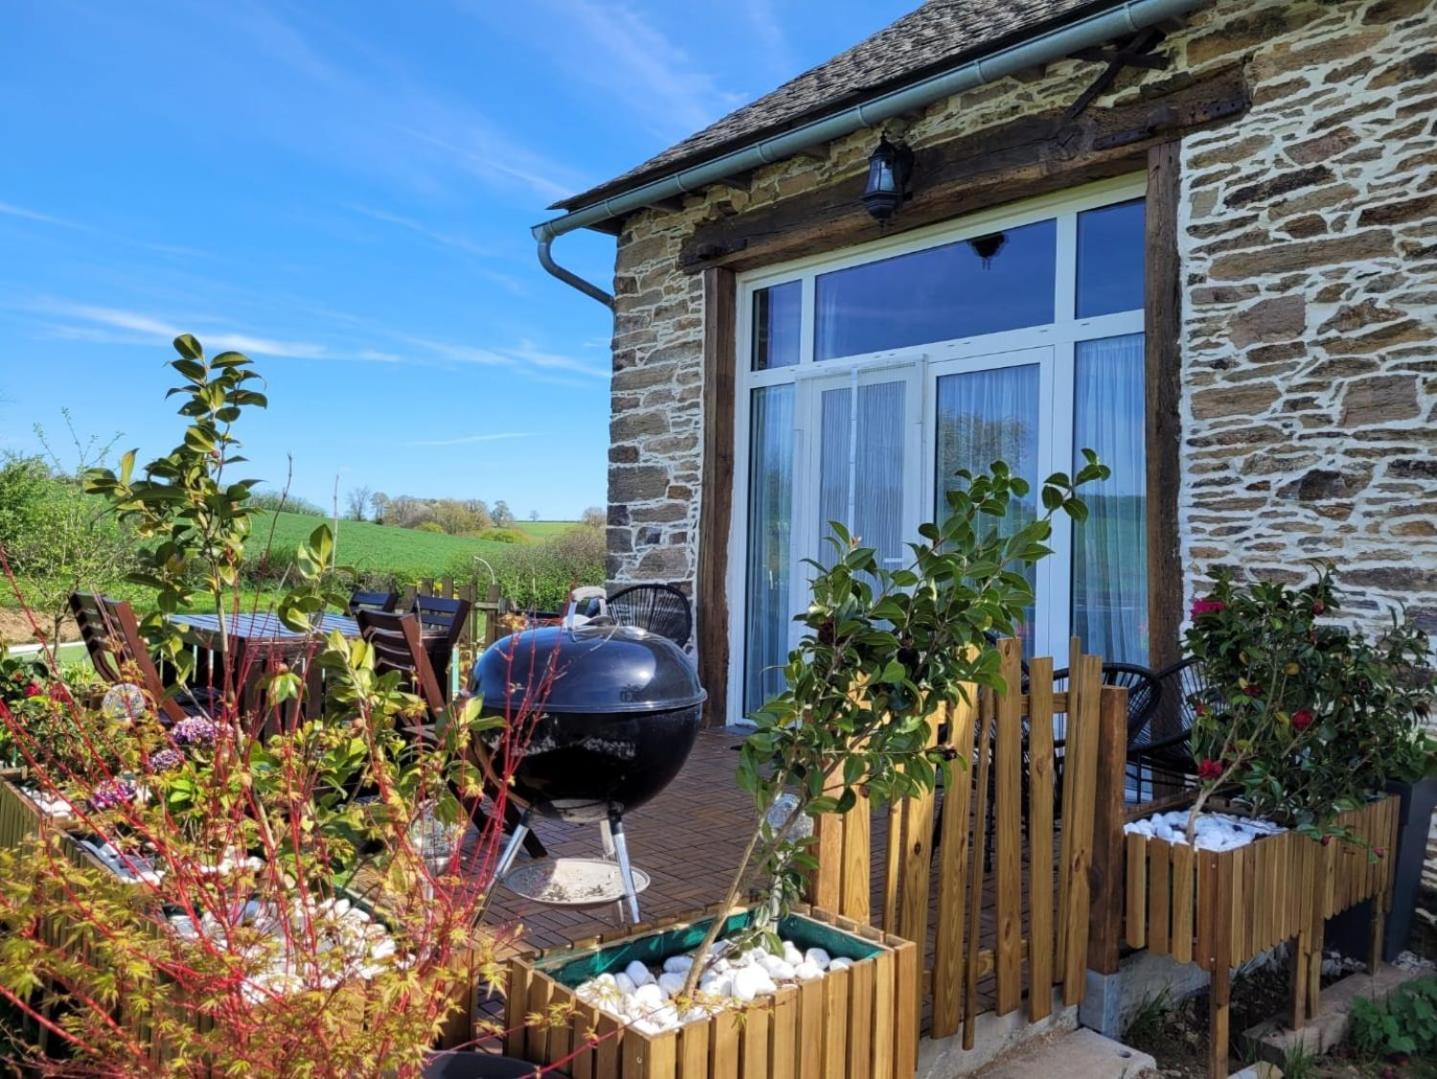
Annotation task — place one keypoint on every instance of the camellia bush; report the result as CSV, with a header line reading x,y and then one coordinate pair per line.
x,y
882,651
284,889
1301,718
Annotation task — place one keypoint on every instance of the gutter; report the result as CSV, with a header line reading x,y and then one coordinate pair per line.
x,y
1096,29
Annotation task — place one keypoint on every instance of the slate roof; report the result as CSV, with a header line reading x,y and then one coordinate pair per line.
x,y
939,34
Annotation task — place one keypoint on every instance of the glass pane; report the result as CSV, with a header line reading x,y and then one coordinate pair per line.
x,y
1110,259
1110,550
863,490
775,325
987,416
770,504
981,285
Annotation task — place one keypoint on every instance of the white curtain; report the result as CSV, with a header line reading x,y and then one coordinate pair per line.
x,y
770,505
1110,550
988,416
861,477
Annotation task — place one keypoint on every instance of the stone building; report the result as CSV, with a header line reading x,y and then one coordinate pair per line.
x,y
1198,235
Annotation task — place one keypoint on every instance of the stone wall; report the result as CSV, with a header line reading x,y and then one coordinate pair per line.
x,y
1308,236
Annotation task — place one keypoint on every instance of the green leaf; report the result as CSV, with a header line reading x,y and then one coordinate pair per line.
x,y
188,347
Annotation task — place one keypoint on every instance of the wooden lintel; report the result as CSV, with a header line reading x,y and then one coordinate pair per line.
x,y
1029,156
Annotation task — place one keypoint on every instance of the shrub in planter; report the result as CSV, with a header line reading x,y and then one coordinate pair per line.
x,y
1303,719
213,930
882,650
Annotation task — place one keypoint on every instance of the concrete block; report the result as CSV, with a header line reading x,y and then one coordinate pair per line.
x,y
1328,1028
1261,1070
993,1036
1111,1000
1081,1054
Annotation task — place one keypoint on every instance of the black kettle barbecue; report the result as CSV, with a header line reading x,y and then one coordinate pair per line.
x,y
602,718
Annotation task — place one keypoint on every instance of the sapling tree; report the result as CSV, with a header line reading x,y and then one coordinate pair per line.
x,y
883,652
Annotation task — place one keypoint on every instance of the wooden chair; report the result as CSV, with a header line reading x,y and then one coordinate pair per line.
x,y
111,633
442,622
372,601
399,646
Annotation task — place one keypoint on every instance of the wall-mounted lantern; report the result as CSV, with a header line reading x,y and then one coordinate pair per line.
x,y
890,168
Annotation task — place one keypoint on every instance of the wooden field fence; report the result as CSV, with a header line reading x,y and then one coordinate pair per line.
x,y
1072,874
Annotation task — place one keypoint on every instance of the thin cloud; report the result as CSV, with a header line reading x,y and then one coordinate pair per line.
x,y
11,210
100,324
638,65
768,32
469,440
443,239
143,328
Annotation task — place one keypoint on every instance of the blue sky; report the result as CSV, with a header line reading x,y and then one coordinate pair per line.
x,y
344,191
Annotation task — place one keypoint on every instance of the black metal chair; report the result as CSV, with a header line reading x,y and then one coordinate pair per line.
x,y
658,608
1159,744
1144,694
372,601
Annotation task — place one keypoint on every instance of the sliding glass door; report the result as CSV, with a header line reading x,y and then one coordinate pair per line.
x,y
868,379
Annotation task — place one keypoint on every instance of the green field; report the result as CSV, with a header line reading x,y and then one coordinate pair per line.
x,y
405,553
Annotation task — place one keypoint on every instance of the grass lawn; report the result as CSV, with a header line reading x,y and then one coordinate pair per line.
x,y
406,553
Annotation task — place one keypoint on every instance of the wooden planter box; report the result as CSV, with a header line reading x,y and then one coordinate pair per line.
x,y
860,1023
1219,909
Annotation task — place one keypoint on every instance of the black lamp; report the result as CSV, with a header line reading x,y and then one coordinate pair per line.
x,y
889,169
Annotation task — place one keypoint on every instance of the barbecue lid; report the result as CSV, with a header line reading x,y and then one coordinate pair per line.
x,y
591,669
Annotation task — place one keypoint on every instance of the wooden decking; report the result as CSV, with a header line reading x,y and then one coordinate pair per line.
x,y
689,840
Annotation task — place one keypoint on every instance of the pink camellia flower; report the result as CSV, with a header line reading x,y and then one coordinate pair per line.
x,y
1207,605
1210,769
1301,719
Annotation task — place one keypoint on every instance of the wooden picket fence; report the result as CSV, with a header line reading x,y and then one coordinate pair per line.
x,y
1072,872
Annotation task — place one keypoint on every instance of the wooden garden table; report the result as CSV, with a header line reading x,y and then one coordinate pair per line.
x,y
253,640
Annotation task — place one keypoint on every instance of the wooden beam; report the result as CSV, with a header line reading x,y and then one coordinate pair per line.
x,y
716,497
1162,385
1029,156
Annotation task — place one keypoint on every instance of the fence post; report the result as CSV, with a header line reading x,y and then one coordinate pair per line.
x,y
1106,877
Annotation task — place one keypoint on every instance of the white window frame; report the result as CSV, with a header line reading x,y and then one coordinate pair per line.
x,y
926,363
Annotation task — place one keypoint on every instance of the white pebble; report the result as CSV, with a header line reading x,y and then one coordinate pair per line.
x,y
717,985
818,957
807,971
638,973
780,970
672,983
748,982
649,995
840,964
678,964
625,983
791,954
662,1019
